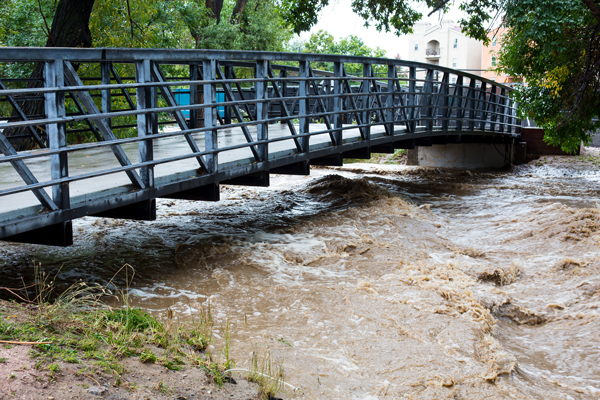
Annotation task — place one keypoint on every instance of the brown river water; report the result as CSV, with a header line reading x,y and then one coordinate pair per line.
x,y
374,281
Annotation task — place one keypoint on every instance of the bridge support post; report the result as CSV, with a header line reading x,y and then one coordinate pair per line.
x,y
334,160
60,234
260,179
406,144
140,211
387,148
363,153
299,168
208,192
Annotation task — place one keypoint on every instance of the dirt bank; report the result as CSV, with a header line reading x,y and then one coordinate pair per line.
x,y
44,356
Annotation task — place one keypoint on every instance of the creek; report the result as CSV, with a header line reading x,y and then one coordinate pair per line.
x,y
373,281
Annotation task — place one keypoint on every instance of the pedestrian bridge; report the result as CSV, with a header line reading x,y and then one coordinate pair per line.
x,y
104,132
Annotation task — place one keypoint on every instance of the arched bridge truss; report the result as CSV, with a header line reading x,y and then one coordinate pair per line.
x,y
114,129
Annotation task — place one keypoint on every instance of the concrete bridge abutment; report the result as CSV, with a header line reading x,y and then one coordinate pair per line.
x,y
463,155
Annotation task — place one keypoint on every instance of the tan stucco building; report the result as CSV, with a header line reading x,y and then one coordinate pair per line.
x,y
489,57
444,44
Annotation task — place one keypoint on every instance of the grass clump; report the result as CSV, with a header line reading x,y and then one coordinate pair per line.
x,y
267,373
77,327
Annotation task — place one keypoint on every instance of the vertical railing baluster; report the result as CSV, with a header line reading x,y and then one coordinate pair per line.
x,y
483,102
284,89
303,91
428,100
366,88
105,72
262,109
338,103
54,77
228,75
502,110
412,88
492,109
143,74
471,104
459,92
390,101
209,73
194,76
445,93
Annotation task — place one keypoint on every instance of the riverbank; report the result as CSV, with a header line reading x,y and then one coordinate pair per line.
x,y
75,348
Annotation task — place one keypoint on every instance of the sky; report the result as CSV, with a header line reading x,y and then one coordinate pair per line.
x,y
339,20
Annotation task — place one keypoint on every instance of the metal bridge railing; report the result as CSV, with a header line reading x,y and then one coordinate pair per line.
x,y
244,112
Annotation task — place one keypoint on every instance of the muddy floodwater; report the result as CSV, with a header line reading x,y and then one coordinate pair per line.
x,y
375,281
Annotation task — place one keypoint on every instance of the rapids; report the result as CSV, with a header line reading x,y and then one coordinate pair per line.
x,y
374,281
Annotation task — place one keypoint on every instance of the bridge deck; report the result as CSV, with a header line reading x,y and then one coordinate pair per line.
x,y
99,159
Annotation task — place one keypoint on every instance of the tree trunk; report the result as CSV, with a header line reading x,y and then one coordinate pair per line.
x,y
70,28
236,14
215,6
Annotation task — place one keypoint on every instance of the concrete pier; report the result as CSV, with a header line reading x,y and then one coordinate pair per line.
x,y
462,156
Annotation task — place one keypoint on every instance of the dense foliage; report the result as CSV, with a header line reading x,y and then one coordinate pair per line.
x,y
554,45
153,23
323,42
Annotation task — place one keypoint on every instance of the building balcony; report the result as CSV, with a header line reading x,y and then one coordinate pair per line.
x,y
432,53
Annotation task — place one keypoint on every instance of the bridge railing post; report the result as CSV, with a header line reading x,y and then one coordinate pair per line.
x,y
366,99
194,76
210,113
444,91
227,111
412,95
459,93
57,136
105,78
470,106
338,103
303,91
427,106
492,108
483,102
390,101
262,109
502,111
145,125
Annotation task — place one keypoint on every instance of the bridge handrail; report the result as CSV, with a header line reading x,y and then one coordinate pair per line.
x,y
184,56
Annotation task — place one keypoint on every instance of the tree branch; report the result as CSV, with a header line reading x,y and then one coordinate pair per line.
x,y
438,7
44,18
130,19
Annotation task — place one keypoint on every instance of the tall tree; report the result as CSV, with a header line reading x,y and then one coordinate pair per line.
x,y
70,28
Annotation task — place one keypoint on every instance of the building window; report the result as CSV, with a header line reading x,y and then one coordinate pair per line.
x,y
454,80
455,45
416,46
493,61
454,63
494,41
